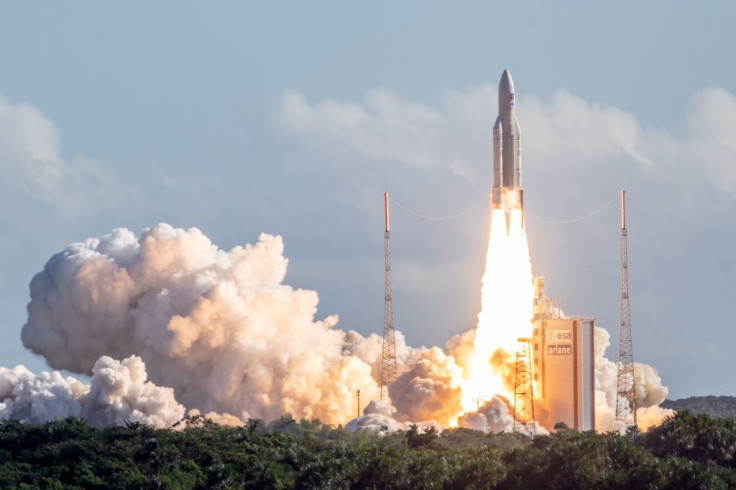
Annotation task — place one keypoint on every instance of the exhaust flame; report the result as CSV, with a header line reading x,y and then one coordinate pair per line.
x,y
507,296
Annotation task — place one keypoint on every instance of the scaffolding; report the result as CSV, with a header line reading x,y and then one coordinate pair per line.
x,y
524,389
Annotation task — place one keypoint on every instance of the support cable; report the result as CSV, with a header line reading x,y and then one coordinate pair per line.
x,y
436,218
589,215
478,204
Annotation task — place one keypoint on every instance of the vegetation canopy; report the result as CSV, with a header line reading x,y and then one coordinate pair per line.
x,y
687,451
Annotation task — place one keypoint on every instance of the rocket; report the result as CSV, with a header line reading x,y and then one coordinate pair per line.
x,y
507,192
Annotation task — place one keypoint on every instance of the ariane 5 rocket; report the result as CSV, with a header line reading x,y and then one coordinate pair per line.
x,y
507,193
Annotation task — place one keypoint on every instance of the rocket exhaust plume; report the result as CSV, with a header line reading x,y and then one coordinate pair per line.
x,y
506,310
507,290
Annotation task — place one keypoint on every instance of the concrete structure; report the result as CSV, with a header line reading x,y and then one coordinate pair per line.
x,y
564,365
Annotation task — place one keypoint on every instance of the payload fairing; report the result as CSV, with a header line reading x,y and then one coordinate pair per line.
x,y
507,193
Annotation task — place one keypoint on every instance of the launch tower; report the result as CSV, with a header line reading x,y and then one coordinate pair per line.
x,y
388,355
626,386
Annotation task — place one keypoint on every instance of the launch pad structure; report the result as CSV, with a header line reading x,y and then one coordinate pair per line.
x,y
523,388
564,364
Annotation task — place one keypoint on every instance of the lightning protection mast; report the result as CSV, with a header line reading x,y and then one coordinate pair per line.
x,y
388,355
626,387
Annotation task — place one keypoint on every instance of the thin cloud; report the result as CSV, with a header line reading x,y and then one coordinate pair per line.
x,y
566,131
31,162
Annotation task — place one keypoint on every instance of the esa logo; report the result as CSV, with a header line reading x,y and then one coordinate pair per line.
x,y
554,336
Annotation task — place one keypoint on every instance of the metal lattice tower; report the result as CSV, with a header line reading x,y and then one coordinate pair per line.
x,y
523,388
626,387
388,355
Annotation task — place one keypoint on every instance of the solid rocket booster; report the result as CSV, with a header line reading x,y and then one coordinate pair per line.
x,y
507,192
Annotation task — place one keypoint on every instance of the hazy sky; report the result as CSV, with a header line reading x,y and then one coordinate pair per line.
x,y
248,117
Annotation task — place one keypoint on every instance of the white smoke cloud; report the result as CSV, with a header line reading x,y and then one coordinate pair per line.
x,y
494,416
118,392
38,398
374,422
376,417
429,389
649,390
370,349
219,327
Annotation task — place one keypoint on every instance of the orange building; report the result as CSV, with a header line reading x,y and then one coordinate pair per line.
x,y
563,366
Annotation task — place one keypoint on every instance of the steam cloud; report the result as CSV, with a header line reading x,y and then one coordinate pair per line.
x,y
118,392
218,327
429,389
226,338
649,390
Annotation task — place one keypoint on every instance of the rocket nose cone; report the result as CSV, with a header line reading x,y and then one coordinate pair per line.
x,y
506,85
505,91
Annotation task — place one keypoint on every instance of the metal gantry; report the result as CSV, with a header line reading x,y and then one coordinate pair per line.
x,y
388,355
625,383
523,388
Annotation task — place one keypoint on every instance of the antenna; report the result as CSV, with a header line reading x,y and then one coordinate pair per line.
x,y
388,355
625,384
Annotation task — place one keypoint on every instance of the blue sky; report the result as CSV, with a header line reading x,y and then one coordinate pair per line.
x,y
244,117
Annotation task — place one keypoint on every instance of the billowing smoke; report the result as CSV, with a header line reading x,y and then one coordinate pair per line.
x,y
429,390
38,398
649,390
118,392
229,340
495,415
218,327
376,417
369,349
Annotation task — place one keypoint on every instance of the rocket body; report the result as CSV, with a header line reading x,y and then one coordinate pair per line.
x,y
507,192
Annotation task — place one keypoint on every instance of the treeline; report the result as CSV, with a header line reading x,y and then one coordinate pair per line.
x,y
687,451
